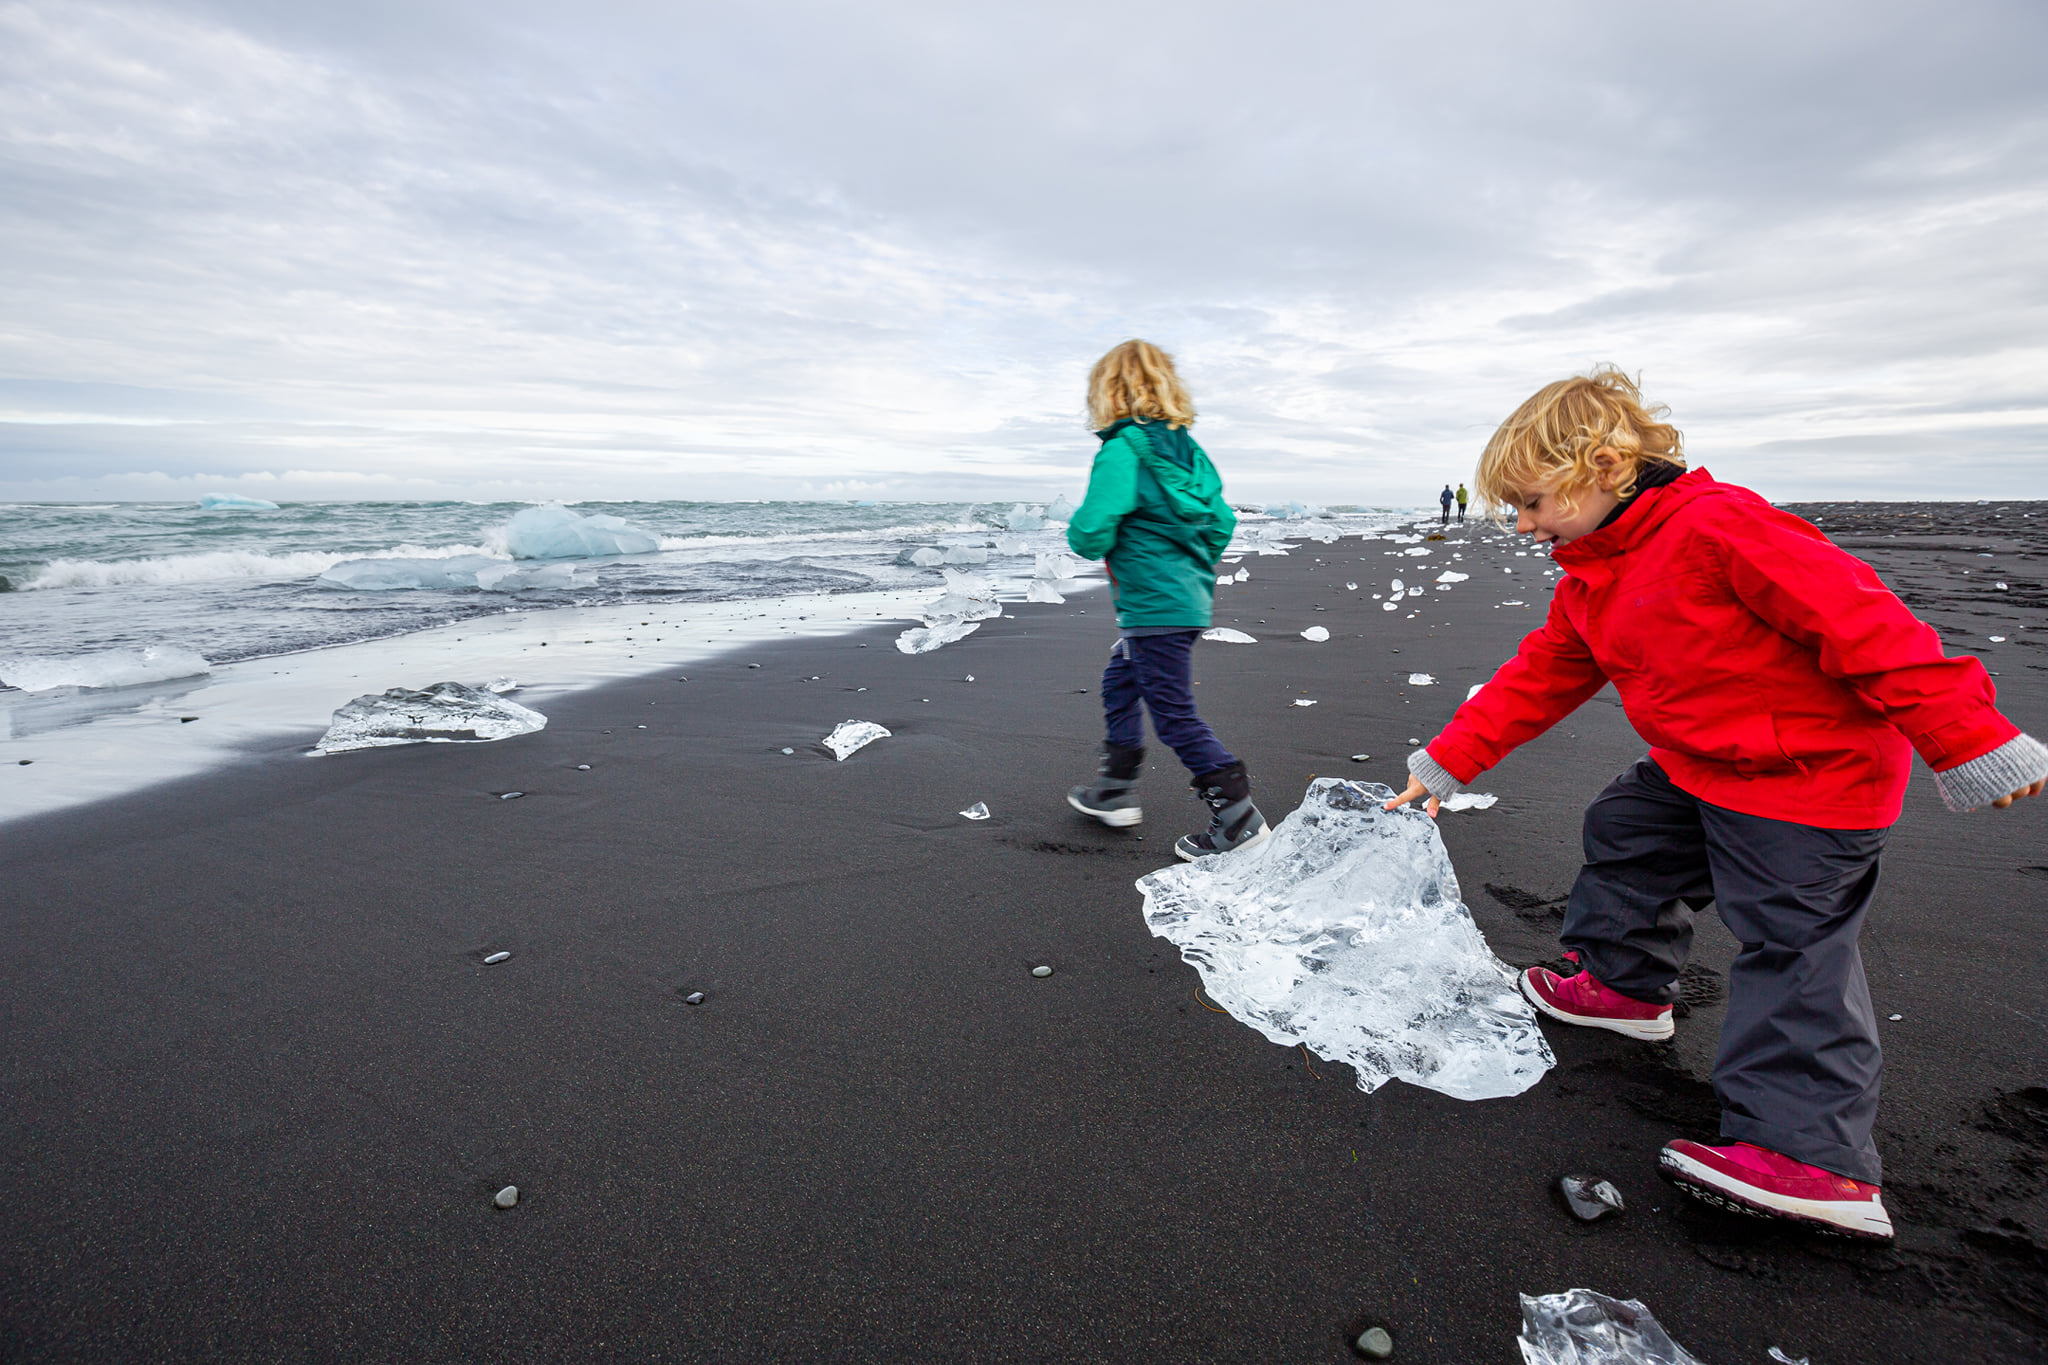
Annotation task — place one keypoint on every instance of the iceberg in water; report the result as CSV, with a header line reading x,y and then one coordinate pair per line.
x,y
849,735
446,713
1580,1327
1022,518
1061,509
923,556
555,532
107,668
1344,931
234,502
965,554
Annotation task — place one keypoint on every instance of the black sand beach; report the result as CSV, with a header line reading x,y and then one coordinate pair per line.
x,y
259,1086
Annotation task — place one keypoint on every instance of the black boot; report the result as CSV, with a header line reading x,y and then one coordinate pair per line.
x,y
1113,799
1234,822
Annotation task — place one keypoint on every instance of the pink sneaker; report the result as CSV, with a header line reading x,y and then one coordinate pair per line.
x,y
1582,1000
1746,1178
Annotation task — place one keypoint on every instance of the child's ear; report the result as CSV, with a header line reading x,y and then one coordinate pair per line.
x,y
1607,468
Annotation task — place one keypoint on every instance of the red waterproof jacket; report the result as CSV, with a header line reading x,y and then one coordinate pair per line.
x,y
1771,672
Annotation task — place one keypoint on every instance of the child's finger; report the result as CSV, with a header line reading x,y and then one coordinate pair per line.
x,y
1413,790
1431,806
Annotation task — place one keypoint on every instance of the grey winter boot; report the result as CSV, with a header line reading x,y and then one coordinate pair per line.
x,y
1234,822
1113,799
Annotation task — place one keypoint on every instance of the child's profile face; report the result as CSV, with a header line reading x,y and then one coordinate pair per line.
x,y
1541,513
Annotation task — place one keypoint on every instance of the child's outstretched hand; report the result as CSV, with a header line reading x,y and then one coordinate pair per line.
x,y
1415,789
2002,802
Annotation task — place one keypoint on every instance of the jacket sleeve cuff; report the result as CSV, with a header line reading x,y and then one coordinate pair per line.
x,y
1438,779
2019,762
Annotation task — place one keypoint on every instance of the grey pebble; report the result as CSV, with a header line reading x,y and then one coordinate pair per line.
x,y
510,796
789,751
694,998
753,665
1360,758
1590,1198
1896,1017
495,958
1375,1343
24,762
1041,971
1413,741
582,767
506,1197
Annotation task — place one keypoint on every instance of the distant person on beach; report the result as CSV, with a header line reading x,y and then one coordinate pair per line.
x,y
1784,692
1462,496
1445,499
1154,512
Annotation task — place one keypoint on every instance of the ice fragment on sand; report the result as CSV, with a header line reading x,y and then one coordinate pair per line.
x,y
2003,588
1224,635
501,686
585,767
506,1197
977,811
1315,635
495,958
555,532
968,597
1022,518
1589,1198
1468,801
1061,509
1224,580
1421,680
107,668
1243,575
1417,550
1389,606
1042,590
1360,758
1053,566
1009,545
694,998
1041,971
234,502
1375,1343
850,735
510,796
925,639
789,751
1515,603
1351,587
1304,701
1396,587
1580,1327
1473,691
1447,576
447,712
1783,1359
1998,639
1344,931
1895,1018
926,556
966,554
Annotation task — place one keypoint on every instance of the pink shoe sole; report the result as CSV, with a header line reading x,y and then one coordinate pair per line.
x,y
1654,1030
1865,1220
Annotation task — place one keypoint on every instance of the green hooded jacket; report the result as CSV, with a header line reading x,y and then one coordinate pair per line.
x,y
1154,512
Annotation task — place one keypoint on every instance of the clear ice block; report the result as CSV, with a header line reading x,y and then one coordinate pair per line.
x,y
1580,1327
925,639
446,713
1344,931
851,735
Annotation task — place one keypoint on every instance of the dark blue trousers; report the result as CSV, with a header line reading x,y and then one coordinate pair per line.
x,y
1798,1065
1150,673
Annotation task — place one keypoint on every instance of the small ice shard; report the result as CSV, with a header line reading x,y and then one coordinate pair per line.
x,y
1360,758
1580,1327
447,712
1061,509
1390,606
1469,801
925,639
1224,635
1589,1198
2003,588
753,665
1315,635
1344,932
977,811
1413,741
501,686
1042,590
1351,587
1416,550
1243,575
1474,691
582,767
1997,639
1375,1343
1304,701
965,554
789,751
1779,1356
1421,680
554,532
1053,566
506,1197
1010,545
1224,580
510,796
927,556
495,958
234,502
1448,576
1041,971
106,668
694,998
1516,603
1396,586
851,735
1895,1018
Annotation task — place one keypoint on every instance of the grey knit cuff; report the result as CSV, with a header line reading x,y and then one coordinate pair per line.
x,y
1436,777
2019,762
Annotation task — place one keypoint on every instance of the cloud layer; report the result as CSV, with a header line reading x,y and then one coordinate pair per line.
x,y
789,250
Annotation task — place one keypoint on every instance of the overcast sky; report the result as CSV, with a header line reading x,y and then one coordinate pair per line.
x,y
501,249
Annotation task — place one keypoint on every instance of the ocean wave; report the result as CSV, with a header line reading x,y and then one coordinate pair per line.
x,y
875,533
108,668
217,565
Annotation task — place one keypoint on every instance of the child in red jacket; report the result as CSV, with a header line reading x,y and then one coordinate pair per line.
x,y
1783,691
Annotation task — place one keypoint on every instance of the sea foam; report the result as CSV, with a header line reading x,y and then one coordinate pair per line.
x,y
108,668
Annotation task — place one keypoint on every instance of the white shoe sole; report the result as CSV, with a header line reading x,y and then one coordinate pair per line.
x,y
1650,1030
1115,819
1252,842
1848,1218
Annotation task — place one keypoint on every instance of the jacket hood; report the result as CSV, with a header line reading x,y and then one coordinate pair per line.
x,y
1171,456
1586,556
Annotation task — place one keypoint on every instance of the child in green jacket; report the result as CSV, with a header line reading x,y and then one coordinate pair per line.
x,y
1155,514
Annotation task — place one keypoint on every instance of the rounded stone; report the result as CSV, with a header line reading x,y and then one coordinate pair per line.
x,y
1360,758
1041,971
1375,1343
506,1197
789,751
510,796
496,958
694,998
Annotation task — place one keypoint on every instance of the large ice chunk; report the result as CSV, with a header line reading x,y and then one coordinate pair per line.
x,y
925,639
1344,931
234,502
924,556
1042,590
849,735
968,597
446,713
1052,566
555,532
1022,518
105,668
1061,509
1224,635
1580,1327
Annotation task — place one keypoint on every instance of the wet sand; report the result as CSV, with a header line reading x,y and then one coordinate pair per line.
x,y
259,1086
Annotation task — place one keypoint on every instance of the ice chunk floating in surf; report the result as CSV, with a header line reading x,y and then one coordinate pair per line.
x,y
1344,931
445,713
554,532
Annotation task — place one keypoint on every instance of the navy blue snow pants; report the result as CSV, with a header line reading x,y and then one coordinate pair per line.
x,y
1150,673
1798,1065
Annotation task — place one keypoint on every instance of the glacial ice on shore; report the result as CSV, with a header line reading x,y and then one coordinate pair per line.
x,y
1022,518
1061,509
1224,635
1042,590
925,639
1053,566
106,668
965,554
851,735
234,502
1581,1327
1344,931
445,713
555,532
449,574
953,615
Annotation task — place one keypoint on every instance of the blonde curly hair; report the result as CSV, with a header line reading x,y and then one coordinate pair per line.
x,y
1137,380
1549,443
